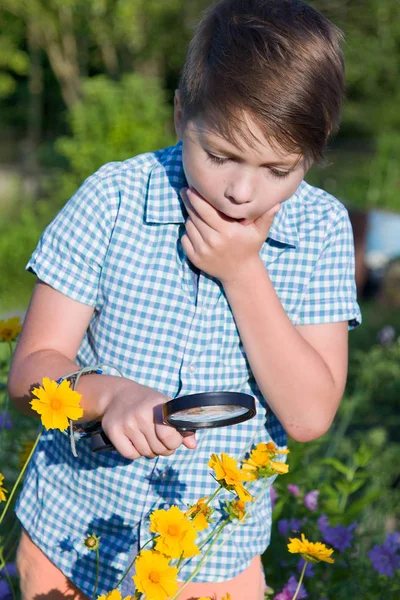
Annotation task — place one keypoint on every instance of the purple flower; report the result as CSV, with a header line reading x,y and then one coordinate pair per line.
x,y
288,591
293,489
311,500
274,496
309,572
340,537
385,558
386,336
288,526
5,421
5,590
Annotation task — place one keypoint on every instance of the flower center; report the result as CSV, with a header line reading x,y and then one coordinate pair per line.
x,y
55,404
154,577
173,529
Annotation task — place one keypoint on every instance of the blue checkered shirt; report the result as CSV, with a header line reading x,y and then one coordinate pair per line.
x,y
116,246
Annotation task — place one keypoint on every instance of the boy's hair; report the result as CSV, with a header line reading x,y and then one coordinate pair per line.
x,y
278,61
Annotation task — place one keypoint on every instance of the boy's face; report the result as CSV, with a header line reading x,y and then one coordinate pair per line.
x,y
240,183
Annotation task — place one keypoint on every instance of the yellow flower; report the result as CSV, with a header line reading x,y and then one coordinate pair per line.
x,y
2,490
261,463
279,467
92,542
113,595
310,551
154,577
25,452
176,533
10,329
56,404
229,475
200,514
227,597
238,509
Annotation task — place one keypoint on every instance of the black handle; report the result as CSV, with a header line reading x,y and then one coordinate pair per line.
x,y
101,442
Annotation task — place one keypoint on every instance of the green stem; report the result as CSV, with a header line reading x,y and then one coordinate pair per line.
x,y
211,498
219,531
197,569
96,583
7,401
131,563
19,477
180,561
300,580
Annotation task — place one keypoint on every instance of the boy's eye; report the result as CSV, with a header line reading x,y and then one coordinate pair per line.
x,y
217,160
280,174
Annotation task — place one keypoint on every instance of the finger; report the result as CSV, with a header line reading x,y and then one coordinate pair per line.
x,y
188,247
141,444
168,436
264,221
194,235
204,230
122,443
204,210
157,444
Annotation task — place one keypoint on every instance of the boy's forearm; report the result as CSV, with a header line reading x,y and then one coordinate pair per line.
x,y
292,376
28,372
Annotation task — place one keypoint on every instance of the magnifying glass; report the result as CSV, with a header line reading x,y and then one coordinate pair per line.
x,y
196,411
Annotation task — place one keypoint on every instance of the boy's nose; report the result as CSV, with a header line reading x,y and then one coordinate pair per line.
x,y
241,191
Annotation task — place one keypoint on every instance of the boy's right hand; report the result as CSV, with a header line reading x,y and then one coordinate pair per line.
x,y
133,422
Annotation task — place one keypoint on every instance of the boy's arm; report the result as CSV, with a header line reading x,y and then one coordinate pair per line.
x,y
53,330
301,371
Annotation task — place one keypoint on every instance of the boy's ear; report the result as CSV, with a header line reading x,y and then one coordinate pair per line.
x,y
178,114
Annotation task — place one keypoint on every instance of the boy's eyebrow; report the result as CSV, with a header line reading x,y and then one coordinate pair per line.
x,y
271,163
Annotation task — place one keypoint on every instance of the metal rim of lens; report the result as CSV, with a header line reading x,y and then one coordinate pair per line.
x,y
205,399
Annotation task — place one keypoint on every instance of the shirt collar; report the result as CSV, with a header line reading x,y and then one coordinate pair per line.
x,y
164,204
167,178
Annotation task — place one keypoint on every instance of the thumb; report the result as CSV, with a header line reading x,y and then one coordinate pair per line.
x,y
264,222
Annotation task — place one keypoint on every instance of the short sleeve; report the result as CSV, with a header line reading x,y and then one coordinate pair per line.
x,y
72,249
331,295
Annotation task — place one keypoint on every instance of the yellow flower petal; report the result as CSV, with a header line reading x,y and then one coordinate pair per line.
x,y
313,552
10,329
279,467
57,404
176,532
3,490
154,577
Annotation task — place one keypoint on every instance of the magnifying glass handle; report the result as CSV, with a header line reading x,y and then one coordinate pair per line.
x,y
101,442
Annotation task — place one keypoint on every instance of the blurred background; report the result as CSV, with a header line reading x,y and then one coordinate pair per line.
x,y
84,82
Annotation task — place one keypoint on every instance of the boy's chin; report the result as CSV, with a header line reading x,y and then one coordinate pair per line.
x,y
245,221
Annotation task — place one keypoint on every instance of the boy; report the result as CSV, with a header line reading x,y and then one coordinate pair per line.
x,y
207,266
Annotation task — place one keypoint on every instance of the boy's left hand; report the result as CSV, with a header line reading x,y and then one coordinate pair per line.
x,y
218,245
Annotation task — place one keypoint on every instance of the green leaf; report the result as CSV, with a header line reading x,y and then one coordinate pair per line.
x,y
336,464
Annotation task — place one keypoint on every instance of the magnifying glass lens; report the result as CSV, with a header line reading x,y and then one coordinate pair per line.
x,y
207,414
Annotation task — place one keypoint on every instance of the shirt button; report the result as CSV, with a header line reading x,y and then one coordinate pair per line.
x,y
192,369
